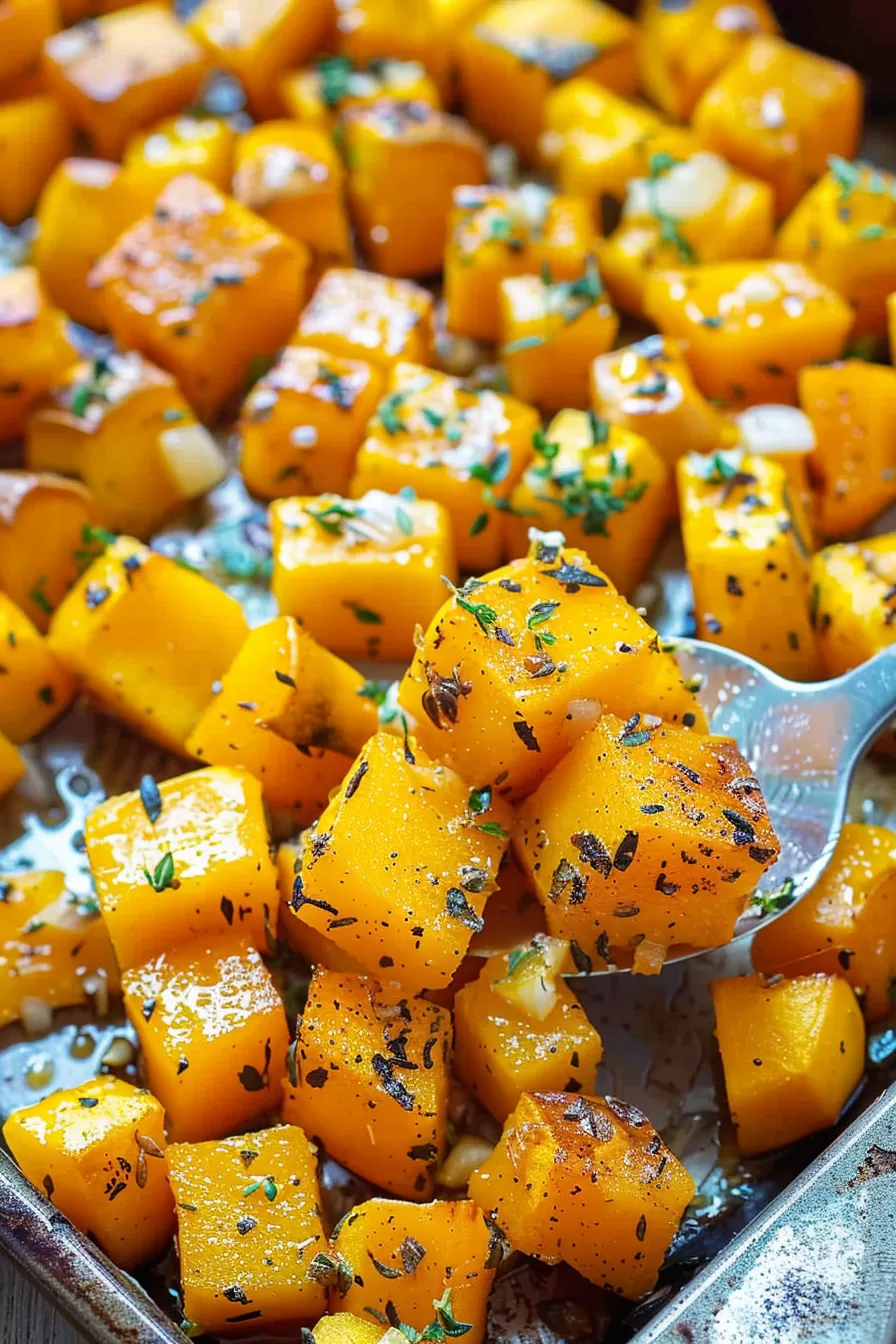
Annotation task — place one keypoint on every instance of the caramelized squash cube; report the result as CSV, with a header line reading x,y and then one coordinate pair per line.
x,y
426,31
36,686
364,316
48,533
595,142
852,601
35,349
319,94
186,143
35,136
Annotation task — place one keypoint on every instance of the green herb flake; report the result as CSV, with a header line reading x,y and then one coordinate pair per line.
x,y
162,875
480,800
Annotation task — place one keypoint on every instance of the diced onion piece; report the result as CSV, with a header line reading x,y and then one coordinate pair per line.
x,y
193,459
36,1016
467,1154
584,711
530,983
686,191
775,429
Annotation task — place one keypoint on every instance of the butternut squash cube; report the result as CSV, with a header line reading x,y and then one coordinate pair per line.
x,y
495,233
35,349
195,848
361,574
282,679
846,925
79,427
257,40
595,142
516,666
683,48
52,944
747,548
106,631
122,72
370,1078
36,686
550,334
426,31
852,407
315,948
248,1229
202,286
464,449
587,1180
777,112
12,766
443,1256
98,1152
35,136
405,161
293,177
852,601
648,389
646,836
364,316
793,1051
209,1018
302,424
405,907
48,533
605,487
24,26
182,144
318,94
747,328
515,53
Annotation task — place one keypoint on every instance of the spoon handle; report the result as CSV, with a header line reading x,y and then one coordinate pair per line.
x,y
871,693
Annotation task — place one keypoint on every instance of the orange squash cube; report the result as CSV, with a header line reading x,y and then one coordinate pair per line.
x,y
196,849
793,1051
747,328
587,1180
248,1229
370,1080
106,632
319,94
364,316
405,161
464,449
34,347
426,31
515,53
777,112
302,424
361,574
852,601
646,835
48,534
24,26
12,766
35,136
207,1014
53,945
98,1152
36,686
122,72
409,911
605,487
516,666
315,948
495,233
200,266
182,144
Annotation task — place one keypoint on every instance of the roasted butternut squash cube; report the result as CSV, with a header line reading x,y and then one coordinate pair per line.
x,y
747,328
12,766
106,631
495,233
852,601
777,112
35,349
24,26
35,136
122,72
550,334
426,31
54,947
79,427
260,39
696,209
605,487
292,176
515,53
202,286
516,666
852,407
36,686
646,836
648,389
683,48
595,142
194,847
410,907
318,94
208,1016
443,1258
98,1152
316,948
520,1028
462,448
48,533
282,679
182,144
370,1078
747,548
365,316
302,424
846,925
793,1051
405,161
587,1180
361,574
248,1229
343,1328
